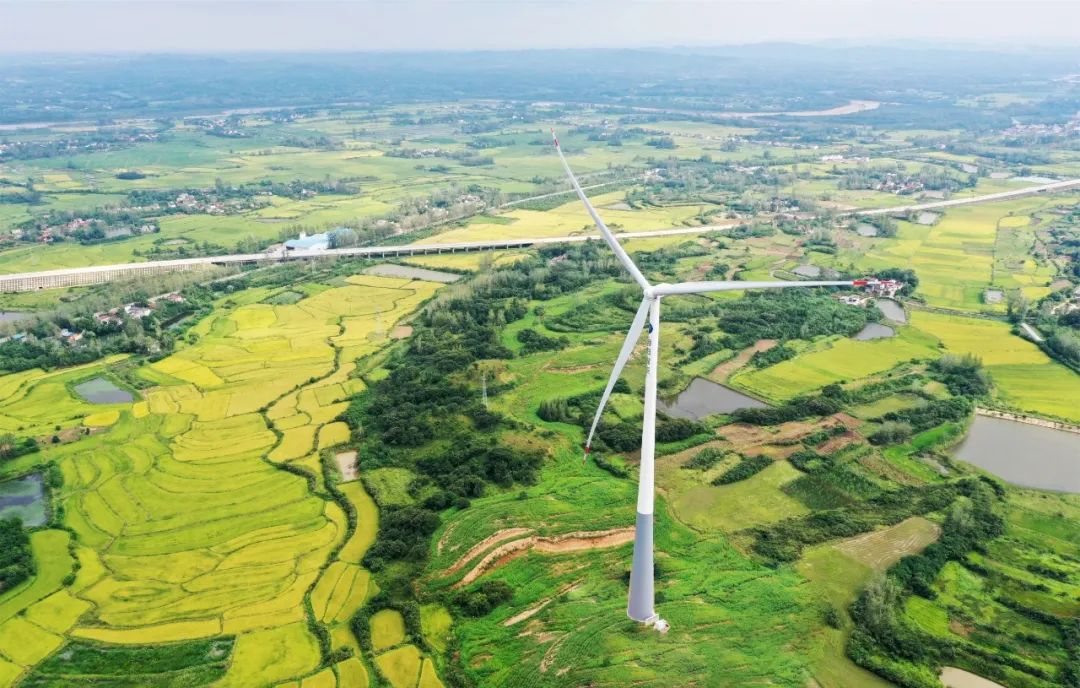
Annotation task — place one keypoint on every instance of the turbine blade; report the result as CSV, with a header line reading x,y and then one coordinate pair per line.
x,y
703,287
620,253
632,337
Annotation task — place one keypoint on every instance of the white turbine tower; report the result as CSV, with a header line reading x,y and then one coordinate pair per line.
x,y
640,606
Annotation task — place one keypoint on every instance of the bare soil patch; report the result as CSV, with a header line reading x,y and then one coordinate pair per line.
x,y
723,371
532,611
401,331
560,544
958,678
479,547
835,444
346,463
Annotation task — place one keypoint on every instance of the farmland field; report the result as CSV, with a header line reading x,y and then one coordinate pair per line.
x,y
191,530
331,473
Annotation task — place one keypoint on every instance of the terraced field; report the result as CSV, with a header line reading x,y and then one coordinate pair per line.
x,y
186,528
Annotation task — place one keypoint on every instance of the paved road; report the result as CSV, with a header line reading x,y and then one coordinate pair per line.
x,y
1032,332
986,198
67,277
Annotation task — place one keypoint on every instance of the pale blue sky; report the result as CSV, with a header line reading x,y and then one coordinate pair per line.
x,y
195,25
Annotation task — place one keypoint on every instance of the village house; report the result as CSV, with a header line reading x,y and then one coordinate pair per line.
x,y
135,311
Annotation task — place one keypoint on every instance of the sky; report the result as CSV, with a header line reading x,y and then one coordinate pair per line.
x,y
387,25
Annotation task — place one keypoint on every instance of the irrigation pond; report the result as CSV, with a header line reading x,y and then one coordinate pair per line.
x,y
705,398
25,498
101,391
1022,454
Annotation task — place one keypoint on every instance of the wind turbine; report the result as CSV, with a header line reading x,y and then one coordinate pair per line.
x,y
641,599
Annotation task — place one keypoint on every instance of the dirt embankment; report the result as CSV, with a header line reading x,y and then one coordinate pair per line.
x,y
534,610
723,371
1029,420
479,547
560,544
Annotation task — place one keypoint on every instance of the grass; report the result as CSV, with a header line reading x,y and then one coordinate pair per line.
x,y
754,501
194,663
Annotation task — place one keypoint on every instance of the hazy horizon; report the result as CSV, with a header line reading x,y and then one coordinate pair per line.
x,y
197,26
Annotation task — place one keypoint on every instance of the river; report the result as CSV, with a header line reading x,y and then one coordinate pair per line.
x,y
705,398
1022,454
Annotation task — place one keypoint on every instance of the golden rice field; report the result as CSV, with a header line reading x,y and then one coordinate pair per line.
x,y
968,250
185,526
568,219
1024,377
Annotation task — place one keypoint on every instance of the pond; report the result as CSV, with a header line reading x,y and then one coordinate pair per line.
x,y
866,230
102,391
410,272
807,271
11,316
704,398
24,498
1022,454
875,331
892,310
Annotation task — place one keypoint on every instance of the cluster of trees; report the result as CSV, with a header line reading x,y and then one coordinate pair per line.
x,y
482,599
777,354
622,436
886,226
404,533
705,459
964,374
425,398
885,642
897,179
929,415
788,314
747,467
830,401
784,541
908,277
12,447
533,341
92,142
16,559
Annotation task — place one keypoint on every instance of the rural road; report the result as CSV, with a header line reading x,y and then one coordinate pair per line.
x,y
68,277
